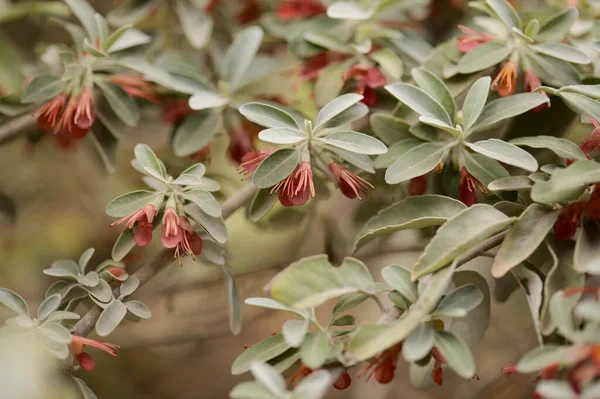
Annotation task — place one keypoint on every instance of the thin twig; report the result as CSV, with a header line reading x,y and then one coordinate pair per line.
x,y
20,125
163,259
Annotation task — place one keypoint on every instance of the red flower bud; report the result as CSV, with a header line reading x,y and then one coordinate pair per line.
x,y
343,381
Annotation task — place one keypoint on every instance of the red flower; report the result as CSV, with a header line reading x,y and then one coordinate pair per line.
x,y
203,153
417,185
468,188
592,141
298,9
175,111
143,217
343,381
506,81
299,375
437,373
469,39
249,13
568,221
368,79
178,233
136,86
251,161
532,82
349,184
84,359
241,144
384,366
48,115
295,189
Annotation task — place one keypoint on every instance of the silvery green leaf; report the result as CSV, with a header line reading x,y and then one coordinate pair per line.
x,y
524,237
146,158
240,55
511,183
251,390
388,128
63,268
361,161
268,115
235,307
206,99
475,101
49,305
558,25
262,351
592,91
484,56
458,235
587,250
327,40
418,343
562,147
389,62
61,315
348,301
129,286
294,331
123,245
484,169
419,101
356,142
473,326
562,314
123,105
459,302
335,107
436,89
126,204
562,52
567,184
192,174
85,391
395,151
85,13
276,167
582,104
420,376
416,162
91,279
128,39
555,389
269,378
456,353
42,88
56,333
21,321
151,72
204,200
552,70
85,258
197,131
315,386
196,24
138,308
349,10
506,153
282,135
399,300
315,350
328,84
215,227
110,318
508,107
589,310
398,278
102,292
347,320
261,204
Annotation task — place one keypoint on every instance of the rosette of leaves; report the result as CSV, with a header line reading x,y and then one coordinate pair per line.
x,y
217,105
568,366
535,47
441,135
340,343
190,194
319,142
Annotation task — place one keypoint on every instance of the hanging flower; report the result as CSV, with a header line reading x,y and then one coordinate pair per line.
x,y
591,142
176,110
241,144
251,161
468,188
86,361
343,381
136,86
568,221
470,39
506,81
532,82
368,79
417,185
250,12
295,189
299,9
302,372
384,366
349,183
437,373
143,217
48,115
178,233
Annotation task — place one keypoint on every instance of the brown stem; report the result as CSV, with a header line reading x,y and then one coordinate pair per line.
x,y
163,259
20,125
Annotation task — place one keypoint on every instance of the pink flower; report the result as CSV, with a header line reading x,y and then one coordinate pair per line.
x,y
136,86
179,234
251,161
295,189
170,228
532,82
48,115
86,362
350,184
368,79
468,188
506,81
470,38
298,9
143,217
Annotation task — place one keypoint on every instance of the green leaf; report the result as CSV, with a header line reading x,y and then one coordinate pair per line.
x,y
484,169
120,102
326,40
314,386
389,62
335,107
507,107
458,235
506,13
361,161
263,351
506,153
455,131
282,135
511,183
558,25
398,278
456,353
129,286
126,204
396,151
196,24
206,99
13,301
235,304
459,302
358,143
123,245
568,183
205,201
261,204
349,10
273,304
138,309
63,268
127,39
330,82
347,320
251,390
197,131
215,227
269,378
56,333
389,128
418,343
348,301
581,104
541,357
416,162
589,310
294,331
587,250
552,70
484,56
555,390
42,88
240,55
110,318
49,305
475,101
561,312
562,52
524,237
276,167
436,89
419,101
84,259
102,291
85,13
267,115
412,212
61,315
562,147
315,350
